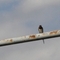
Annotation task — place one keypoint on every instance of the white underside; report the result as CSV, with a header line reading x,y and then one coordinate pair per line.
x,y
40,30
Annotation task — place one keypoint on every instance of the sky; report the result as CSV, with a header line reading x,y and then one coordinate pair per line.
x,y
22,17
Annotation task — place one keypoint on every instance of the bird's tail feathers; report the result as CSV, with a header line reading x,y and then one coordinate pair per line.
x,y
43,41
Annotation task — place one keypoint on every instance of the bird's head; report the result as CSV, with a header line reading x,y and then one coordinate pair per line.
x,y
40,25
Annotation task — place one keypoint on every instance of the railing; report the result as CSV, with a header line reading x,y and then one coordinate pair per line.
x,y
28,38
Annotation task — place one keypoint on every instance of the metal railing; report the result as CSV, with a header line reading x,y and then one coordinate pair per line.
x,y
28,38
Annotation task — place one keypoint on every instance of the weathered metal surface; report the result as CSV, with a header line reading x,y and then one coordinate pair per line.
x,y
32,37
54,32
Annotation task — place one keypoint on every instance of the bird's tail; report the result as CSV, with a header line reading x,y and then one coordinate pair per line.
x,y
43,41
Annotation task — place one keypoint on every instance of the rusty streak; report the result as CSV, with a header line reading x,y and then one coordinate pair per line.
x,y
53,32
32,36
11,40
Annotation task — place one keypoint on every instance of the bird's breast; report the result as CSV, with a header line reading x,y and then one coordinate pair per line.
x,y
40,30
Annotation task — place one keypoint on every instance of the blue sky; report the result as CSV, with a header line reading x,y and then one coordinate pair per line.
x,y
22,17
7,6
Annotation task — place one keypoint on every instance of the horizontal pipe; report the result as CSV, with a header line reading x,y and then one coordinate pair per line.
x,y
28,38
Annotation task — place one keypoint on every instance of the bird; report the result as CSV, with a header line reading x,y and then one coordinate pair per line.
x,y
40,29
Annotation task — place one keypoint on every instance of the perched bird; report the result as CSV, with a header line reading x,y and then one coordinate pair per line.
x,y
40,29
